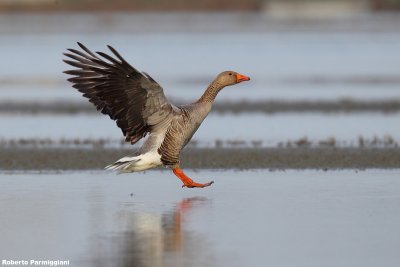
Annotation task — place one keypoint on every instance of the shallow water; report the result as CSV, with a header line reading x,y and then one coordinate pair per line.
x,y
185,63
271,129
254,218
179,92
307,65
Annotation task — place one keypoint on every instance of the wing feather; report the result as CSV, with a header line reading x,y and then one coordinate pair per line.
x,y
133,99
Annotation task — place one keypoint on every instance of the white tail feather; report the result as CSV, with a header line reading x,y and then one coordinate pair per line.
x,y
138,163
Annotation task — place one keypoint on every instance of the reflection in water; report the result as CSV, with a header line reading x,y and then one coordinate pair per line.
x,y
154,239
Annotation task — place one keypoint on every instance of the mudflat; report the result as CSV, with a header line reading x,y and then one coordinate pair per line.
x,y
207,158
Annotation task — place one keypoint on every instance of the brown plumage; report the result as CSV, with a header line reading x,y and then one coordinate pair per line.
x,y
138,105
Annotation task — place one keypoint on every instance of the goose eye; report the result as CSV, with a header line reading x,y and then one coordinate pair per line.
x,y
230,73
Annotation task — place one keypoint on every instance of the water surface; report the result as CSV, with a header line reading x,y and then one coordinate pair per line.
x,y
270,129
254,218
184,63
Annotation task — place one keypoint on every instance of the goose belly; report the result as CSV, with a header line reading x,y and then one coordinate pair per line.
x,y
145,161
149,158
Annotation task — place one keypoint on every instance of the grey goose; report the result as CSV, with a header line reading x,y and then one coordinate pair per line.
x,y
138,105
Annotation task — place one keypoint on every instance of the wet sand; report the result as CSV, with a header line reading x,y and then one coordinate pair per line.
x,y
207,158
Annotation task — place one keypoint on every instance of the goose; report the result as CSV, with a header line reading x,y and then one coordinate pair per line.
x,y
138,105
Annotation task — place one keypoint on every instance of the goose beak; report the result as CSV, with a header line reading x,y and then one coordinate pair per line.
x,y
241,78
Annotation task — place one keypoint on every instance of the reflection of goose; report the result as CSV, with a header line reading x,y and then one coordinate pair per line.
x,y
138,104
159,240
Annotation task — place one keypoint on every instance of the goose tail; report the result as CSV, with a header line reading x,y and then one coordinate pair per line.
x,y
124,165
137,163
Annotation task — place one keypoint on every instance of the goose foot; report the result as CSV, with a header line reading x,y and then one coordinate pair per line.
x,y
187,182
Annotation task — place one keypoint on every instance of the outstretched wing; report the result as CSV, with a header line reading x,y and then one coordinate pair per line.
x,y
133,99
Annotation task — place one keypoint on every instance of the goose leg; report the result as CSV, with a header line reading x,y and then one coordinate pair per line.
x,y
187,182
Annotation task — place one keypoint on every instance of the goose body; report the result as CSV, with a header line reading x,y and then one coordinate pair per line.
x,y
138,105
148,156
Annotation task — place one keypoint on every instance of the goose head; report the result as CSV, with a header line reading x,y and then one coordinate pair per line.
x,y
223,79
227,78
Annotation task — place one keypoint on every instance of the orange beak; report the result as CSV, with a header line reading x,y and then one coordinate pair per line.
x,y
241,78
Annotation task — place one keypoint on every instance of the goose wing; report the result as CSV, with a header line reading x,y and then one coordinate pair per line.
x,y
133,99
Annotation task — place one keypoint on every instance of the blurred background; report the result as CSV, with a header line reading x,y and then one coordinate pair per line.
x,y
324,72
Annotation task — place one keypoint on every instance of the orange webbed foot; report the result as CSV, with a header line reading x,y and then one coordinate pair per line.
x,y
188,182
194,184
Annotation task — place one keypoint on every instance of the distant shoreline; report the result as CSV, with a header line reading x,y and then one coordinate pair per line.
x,y
288,6
126,5
196,21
